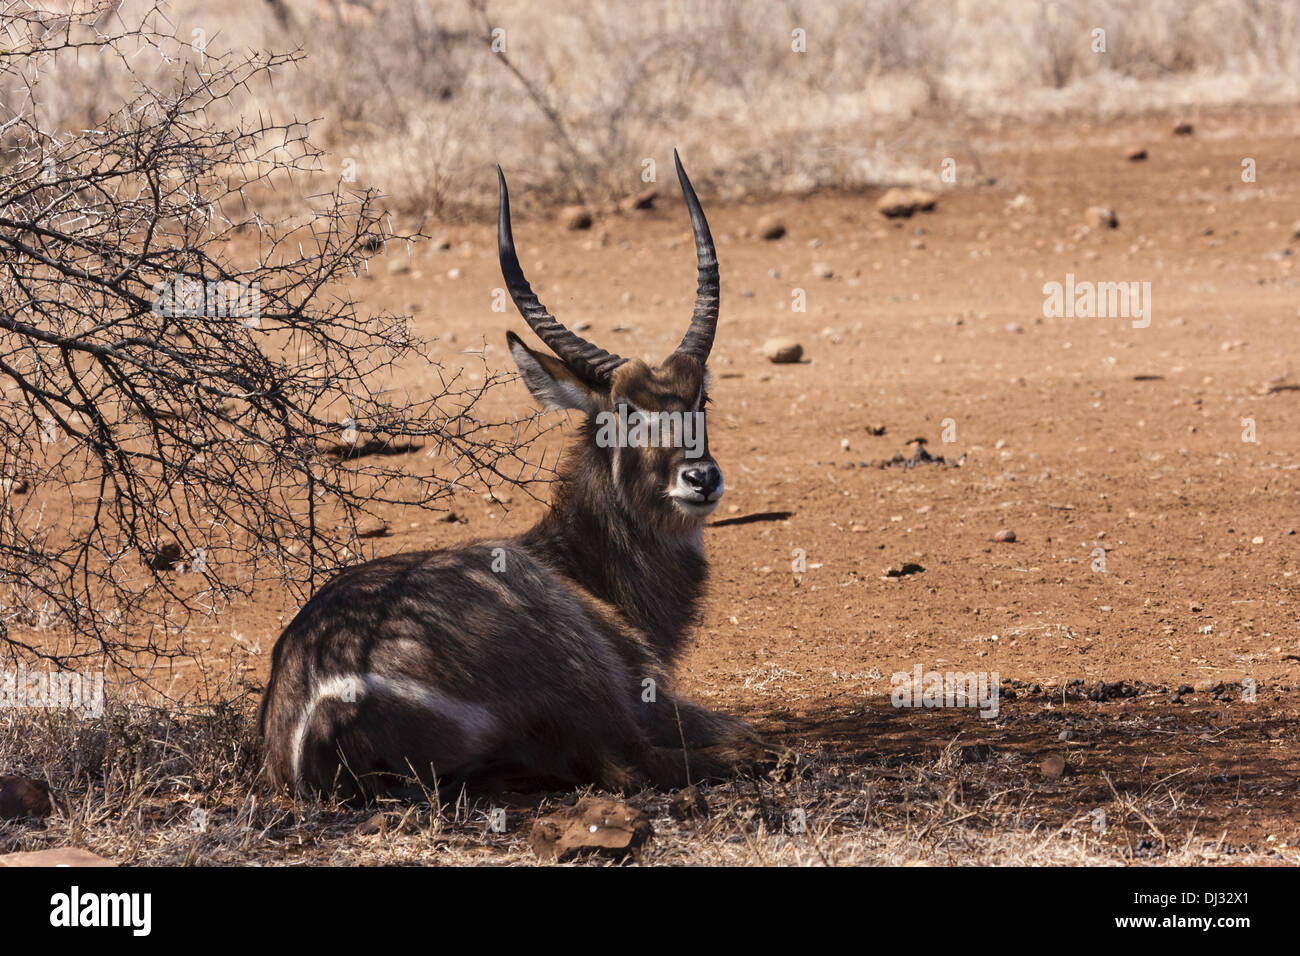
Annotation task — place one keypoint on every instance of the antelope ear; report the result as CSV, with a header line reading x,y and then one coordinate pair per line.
x,y
550,380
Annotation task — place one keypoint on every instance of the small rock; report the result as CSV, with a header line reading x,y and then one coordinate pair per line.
x,y
60,856
399,267
576,217
1068,735
1101,217
688,804
15,486
900,203
592,824
1295,229
1014,328
822,270
1052,766
844,444
1135,154
782,351
908,568
442,243
769,227
24,797
168,555
1004,536
369,527
1183,128
976,753
645,200
373,825
581,326
875,429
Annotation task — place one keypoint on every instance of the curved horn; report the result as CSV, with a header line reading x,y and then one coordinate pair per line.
x,y
587,361
699,337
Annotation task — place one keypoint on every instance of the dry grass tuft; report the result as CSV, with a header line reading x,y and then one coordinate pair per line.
x,y
147,785
411,97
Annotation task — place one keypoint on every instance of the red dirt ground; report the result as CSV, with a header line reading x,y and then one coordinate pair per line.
x,y
1078,434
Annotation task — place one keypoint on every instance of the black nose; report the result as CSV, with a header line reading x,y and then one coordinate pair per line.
x,y
704,480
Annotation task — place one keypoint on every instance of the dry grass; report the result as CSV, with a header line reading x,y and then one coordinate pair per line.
x,y
410,97
157,786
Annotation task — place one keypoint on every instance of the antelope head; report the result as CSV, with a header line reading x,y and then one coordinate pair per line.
x,y
645,427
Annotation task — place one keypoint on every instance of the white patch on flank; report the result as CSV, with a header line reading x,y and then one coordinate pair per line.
x,y
475,721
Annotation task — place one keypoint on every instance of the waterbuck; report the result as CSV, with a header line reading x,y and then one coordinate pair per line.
x,y
544,659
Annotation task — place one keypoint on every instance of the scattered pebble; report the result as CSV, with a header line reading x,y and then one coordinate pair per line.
x,y
908,568
593,824
688,804
24,797
899,203
576,217
642,201
168,555
1101,217
1052,766
770,227
782,351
